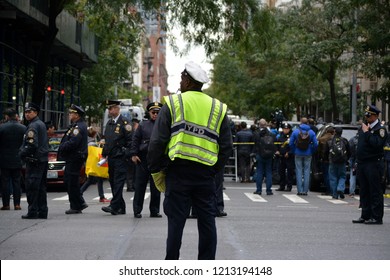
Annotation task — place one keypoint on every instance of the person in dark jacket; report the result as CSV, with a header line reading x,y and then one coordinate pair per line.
x,y
34,151
139,151
116,150
74,150
11,138
244,151
286,166
370,167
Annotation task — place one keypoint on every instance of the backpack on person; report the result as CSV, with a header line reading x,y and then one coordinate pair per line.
x,y
303,140
337,150
266,146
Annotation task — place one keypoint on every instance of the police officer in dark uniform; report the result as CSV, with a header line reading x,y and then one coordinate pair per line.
x,y
118,136
74,150
11,138
287,162
370,167
139,150
34,151
190,143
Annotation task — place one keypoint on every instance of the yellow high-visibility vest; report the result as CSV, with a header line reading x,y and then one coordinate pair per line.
x,y
196,121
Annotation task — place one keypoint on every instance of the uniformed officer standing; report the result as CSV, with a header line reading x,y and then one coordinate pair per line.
x,y
11,138
118,135
287,161
34,151
370,167
139,150
74,150
190,143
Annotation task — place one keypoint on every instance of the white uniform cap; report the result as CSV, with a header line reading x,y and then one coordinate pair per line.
x,y
196,72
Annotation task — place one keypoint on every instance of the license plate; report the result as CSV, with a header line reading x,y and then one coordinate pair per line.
x,y
52,174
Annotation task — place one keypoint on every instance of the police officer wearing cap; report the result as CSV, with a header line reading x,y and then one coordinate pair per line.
x,y
190,143
287,161
34,152
370,167
74,150
116,150
139,150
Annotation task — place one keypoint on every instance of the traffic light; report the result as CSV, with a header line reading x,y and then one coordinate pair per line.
x,y
62,91
48,88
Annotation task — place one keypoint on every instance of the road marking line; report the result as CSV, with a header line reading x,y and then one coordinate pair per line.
x,y
331,200
147,194
295,198
65,197
225,197
255,197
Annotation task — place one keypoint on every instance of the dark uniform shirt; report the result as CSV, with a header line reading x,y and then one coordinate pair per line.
x,y
370,144
35,146
118,138
141,138
283,139
74,144
11,138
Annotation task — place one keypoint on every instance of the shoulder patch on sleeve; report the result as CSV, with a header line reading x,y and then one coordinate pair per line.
x,y
76,131
30,134
128,127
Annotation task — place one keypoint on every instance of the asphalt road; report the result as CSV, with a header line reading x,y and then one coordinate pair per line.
x,y
279,227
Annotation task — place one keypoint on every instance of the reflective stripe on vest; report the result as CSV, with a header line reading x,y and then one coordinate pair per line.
x,y
195,136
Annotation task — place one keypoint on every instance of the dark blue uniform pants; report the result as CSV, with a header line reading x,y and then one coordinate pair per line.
x,y
369,175
36,174
117,172
177,205
141,181
72,183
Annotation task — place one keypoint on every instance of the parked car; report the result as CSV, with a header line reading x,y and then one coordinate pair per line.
x,y
316,177
56,168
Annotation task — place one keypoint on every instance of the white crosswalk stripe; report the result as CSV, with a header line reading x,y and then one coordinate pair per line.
x,y
65,197
225,197
106,195
295,198
255,197
331,200
147,194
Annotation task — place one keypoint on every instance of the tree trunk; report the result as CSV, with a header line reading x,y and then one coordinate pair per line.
x,y
332,87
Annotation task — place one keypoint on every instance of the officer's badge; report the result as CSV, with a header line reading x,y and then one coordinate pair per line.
x,y
382,132
128,127
117,129
76,131
31,141
30,134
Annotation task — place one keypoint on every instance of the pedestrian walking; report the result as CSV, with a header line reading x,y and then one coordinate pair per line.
x,y
116,150
303,144
338,151
370,167
265,151
34,152
190,143
74,150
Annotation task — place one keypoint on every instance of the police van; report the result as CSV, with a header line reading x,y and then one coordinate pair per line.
x,y
127,110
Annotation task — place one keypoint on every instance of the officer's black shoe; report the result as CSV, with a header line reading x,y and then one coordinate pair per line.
x,y
155,215
221,214
373,222
84,205
280,189
359,221
130,189
121,211
108,209
138,215
27,216
289,189
42,215
72,211
259,193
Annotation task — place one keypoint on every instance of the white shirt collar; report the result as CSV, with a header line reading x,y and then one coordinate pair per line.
x,y
374,123
116,119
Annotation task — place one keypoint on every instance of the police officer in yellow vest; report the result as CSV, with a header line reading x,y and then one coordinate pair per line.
x,y
191,141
